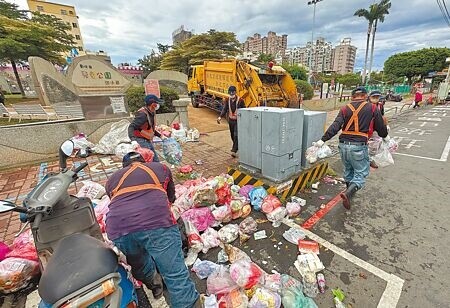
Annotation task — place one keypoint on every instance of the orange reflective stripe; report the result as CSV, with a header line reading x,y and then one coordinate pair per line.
x,y
355,121
232,115
119,191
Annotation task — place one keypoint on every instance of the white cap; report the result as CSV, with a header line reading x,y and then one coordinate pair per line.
x,y
67,147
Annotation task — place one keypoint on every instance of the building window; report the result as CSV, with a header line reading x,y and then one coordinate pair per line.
x,y
74,24
40,8
70,12
63,12
80,48
78,37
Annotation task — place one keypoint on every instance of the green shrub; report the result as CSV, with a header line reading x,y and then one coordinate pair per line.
x,y
135,98
303,87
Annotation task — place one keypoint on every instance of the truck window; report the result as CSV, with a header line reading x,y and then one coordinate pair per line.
x,y
191,72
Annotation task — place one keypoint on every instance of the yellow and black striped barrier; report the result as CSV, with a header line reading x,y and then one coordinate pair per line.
x,y
286,189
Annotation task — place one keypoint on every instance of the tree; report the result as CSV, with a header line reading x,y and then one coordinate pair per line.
x,y
416,63
303,87
213,45
296,72
152,62
369,16
349,79
265,57
22,37
381,10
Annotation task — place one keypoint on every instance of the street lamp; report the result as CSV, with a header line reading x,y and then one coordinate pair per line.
x,y
312,2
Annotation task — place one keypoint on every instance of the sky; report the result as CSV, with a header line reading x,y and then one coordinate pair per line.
x,y
130,29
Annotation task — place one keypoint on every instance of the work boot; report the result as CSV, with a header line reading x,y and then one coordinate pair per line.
x,y
373,164
155,285
348,194
233,154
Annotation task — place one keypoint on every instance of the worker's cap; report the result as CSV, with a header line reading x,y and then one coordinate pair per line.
x,y
359,90
132,157
151,98
231,89
375,93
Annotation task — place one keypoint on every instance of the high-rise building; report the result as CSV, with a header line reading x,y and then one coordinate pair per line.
x,y
271,44
344,56
62,11
180,35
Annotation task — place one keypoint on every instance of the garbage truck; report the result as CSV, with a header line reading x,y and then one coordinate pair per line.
x,y
257,86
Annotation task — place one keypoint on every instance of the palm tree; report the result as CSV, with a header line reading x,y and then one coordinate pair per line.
x,y
372,15
381,10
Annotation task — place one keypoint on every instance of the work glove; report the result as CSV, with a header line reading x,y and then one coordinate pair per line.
x,y
387,138
218,120
319,143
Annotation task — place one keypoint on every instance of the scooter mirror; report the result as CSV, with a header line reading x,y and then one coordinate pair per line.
x,y
6,206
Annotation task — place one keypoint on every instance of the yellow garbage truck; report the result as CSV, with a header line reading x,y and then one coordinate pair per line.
x,y
257,86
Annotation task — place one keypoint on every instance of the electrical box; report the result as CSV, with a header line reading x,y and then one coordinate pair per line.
x,y
270,141
313,129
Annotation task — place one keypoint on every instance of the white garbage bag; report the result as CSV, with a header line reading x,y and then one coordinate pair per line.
x,y
116,135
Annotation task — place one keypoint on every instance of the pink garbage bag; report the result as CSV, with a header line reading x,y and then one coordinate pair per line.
x,y
201,217
4,250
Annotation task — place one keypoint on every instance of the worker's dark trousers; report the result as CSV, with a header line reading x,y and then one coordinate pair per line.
x,y
233,134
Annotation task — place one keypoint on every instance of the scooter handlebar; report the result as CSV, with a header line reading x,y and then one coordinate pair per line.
x,y
36,222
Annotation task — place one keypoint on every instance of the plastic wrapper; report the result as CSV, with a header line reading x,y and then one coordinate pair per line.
x,y
202,218
236,206
235,190
210,302
193,134
210,239
81,143
374,145
273,282
23,247
292,293
235,299
222,257
122,149
220,282
146,154
293,235
102,207
204,195
204,268
222,213
4,250
116,135
172,151
277,216
315,153
248,226
270,203
15,273
310,287
91,190
223,194
245,190
194,239
245,273
246,210
186,169
235,253
257,196
229,233
293,209
384,157
392,145
264,298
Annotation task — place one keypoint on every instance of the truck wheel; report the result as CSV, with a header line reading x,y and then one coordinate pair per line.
x,y
194,102
143,301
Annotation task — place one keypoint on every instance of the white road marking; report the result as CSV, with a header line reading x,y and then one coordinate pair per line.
x,y
430,119
394,286
415,156
444,155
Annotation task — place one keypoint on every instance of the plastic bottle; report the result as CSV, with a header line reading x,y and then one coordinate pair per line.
x,y
321,282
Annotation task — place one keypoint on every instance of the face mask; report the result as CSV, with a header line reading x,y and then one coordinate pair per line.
x,y
233,95
157,106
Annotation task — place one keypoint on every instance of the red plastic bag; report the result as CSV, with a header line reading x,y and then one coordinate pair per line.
x,y
4,250
220,282
146,154
245,273
186,169
270,203
23,247
223,195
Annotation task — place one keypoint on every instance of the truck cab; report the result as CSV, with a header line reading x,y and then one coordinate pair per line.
x,y
195,80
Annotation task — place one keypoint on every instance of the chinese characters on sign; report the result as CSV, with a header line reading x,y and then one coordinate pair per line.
x,y
118,104
152,87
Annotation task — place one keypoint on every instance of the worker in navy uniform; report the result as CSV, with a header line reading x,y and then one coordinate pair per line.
x,y
358,120
231,105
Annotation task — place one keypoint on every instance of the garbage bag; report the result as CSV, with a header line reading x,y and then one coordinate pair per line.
x,y
248,226
264,298
384,157
235,299
324,151
116,135
146,154
223,194
273,282
194,239
91,190
23,247
292,293
392,145
270,203
222,213
210,239
277,216
211,302
293,209
235,253
186,169
315,153
257,196
172,151
15,273
202,217
246,210
245,273
204,268
235,190
244,191
4,250
374,144
220,282
204,195
122,149
229,233
236,208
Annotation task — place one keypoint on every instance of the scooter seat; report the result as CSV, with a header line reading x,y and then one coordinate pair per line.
x,y
77,261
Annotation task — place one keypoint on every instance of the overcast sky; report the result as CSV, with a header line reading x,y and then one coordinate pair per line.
x,y
129,29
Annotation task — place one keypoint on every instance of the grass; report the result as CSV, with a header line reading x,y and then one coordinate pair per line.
x,y
4,121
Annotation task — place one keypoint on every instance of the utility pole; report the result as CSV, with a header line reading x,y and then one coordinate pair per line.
x,y
312,2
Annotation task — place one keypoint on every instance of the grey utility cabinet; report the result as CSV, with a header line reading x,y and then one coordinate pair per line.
x,y
313,129
270,141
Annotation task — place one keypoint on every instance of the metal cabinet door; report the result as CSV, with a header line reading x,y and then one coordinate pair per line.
x,y
249,136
